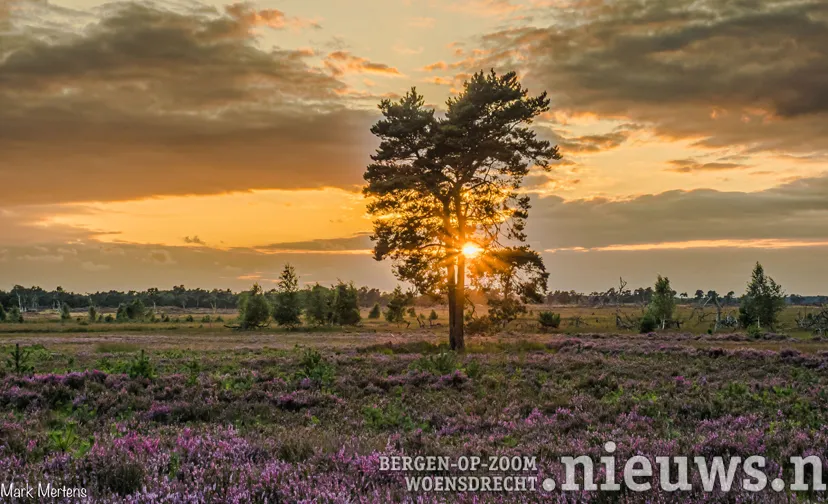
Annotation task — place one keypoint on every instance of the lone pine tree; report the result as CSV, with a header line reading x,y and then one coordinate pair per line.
x,y
439,186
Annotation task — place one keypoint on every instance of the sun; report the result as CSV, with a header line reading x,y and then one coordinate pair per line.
x,y
471,250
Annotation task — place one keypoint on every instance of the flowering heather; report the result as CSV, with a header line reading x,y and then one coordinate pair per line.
x,y
268,426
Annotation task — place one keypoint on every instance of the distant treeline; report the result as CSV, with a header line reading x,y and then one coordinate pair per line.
x,y
36,298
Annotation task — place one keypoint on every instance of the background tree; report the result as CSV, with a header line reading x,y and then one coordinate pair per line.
x,y
254,309
318,305
375,312
762,302
288,307
395,311
439,184
510,277
663,302
2,313
345,304
92,315
65,314
14,315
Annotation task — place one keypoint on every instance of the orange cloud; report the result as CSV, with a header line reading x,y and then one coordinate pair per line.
x,y
341,62
700,244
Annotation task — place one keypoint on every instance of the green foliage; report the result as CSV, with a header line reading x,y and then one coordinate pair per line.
x,y
663,302
65,314
193,372
762,302
463,167
287,310
254,309
206,319
14,315
375,312
549,320
92,315
2,313
503,311
18,360
189,318
134,311
754,331
479,325
141,367
391,416
66,440
318,305
647,324
345,305
442,363
395,311
315,367
109,318
433,315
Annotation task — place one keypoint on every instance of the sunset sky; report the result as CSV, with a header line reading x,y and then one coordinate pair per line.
x,y
205,143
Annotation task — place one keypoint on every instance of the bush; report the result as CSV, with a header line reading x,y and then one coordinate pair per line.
x,y
549,320
2,313
318,305
93,315
433,316
345,305
395,311
287,310
647,324
754,331
762,302
254,309
375,312
65,314
189,318
14,315
479,325
141,367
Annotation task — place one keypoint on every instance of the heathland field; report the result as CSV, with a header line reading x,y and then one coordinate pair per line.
x,y
192,411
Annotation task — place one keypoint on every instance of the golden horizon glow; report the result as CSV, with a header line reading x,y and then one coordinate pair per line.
x,y
697,244
471,250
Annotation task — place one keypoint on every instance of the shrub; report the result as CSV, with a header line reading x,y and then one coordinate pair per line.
x,y
442,363
345,305
479,325
375,312
254,309
395,311
206,319
647,323
549,320
18,360
14,315
288,307
65,314
141,367
3,315
318,305
189,318
92,315
433,316
315,367
663,302
754,331
762,301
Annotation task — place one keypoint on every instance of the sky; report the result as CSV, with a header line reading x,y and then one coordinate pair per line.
x,y
152,144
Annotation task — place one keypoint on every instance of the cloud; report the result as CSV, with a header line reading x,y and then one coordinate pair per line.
x,y
90,266
795,212
195,240
176,100
343,62
692,166
422,22
360,243
722,72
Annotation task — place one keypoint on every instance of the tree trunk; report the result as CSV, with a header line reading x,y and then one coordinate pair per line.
x,y
452,303
459,305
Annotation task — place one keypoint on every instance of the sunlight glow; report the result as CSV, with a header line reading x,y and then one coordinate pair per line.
x,y
471,250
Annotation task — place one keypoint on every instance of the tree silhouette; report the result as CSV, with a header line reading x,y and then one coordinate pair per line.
x,y
440,184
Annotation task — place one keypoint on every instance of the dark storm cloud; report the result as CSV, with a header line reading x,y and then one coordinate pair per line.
x,y
150,101
794,211
727,71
